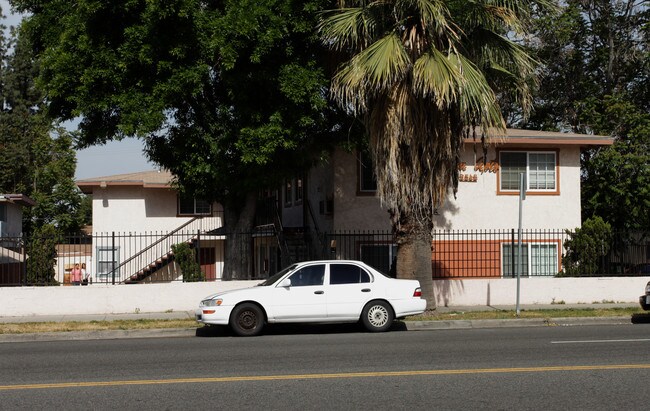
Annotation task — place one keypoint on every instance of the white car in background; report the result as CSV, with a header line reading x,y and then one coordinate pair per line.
x,y
316,292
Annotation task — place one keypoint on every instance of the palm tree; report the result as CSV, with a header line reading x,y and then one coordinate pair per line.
x,y
423,75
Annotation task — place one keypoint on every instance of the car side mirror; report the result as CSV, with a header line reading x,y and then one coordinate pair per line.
x,y
285,283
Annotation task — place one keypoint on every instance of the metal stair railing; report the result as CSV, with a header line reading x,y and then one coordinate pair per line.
x,y
157,250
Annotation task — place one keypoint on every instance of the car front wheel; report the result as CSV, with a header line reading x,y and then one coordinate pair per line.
x,y
377,316
247,320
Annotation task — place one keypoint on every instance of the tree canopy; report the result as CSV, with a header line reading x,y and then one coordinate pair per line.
x,y
595,78
37,156
229,96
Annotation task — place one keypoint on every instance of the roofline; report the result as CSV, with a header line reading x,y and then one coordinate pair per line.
x,y
120,180
20,199
534,137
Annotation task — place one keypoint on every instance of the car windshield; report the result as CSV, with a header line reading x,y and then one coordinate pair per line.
x,y
274,278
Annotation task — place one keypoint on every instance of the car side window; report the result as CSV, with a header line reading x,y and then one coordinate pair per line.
x,y
348,274
310,275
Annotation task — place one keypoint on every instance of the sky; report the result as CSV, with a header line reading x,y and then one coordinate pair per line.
x,y
115,157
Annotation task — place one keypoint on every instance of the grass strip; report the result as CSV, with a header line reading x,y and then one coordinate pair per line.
x,y
47,327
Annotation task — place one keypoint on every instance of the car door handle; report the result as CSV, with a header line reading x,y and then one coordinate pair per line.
x,y
365,290
319,292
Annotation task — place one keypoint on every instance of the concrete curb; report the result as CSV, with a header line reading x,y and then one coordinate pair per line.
x,y
521,322
408,325
98,335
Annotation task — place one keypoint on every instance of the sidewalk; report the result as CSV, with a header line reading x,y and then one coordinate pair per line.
x,y
174,315
406,325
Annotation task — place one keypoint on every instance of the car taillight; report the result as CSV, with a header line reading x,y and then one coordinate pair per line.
x,y
417,292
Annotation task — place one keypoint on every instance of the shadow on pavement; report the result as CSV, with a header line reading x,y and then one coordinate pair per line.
x,y
641,318
295,329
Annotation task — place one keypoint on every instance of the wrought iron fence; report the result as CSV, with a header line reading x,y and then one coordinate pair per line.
x,y
118,258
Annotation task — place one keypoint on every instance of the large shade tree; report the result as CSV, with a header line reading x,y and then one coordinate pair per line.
x,y
423,75
596,79
229,96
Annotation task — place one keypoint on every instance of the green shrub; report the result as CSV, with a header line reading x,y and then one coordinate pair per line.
x,y
586,247
186,259
41,252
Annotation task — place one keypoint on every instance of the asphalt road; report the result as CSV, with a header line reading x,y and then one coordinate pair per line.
x,y
581,367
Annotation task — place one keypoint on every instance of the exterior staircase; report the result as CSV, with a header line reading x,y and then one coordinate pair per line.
x,y
163,268
157,258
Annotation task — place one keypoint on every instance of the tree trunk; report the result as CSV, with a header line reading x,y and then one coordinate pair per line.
x,y
238,259
414,257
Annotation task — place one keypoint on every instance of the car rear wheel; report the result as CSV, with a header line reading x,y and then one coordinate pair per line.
x,y
247,320
377,316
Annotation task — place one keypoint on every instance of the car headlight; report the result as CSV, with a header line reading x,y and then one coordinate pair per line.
x,y
211,302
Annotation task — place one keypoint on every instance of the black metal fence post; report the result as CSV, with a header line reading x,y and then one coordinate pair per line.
x,y
512,254
113,256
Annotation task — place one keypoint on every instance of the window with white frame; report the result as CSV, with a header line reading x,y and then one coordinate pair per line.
x,y
538,167
107,260
537,259
193,206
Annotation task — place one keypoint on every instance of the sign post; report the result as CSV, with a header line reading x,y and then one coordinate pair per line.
x,y
520,267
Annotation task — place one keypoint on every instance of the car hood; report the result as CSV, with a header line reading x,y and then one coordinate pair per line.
x,y
248,290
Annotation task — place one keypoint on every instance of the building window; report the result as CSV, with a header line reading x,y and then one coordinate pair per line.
x,y
288,193
539,169
193,206
107,260
538,259
367,179
299,191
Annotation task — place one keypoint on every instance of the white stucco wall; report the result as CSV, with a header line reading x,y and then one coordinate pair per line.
x,y
477,205
143,298
140,217
491,292
135,209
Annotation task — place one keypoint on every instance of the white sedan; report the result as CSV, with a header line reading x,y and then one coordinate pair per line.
x,y
316,291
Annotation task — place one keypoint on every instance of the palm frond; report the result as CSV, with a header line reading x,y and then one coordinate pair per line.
x,y
432,14
435,76
372,70
349,28
477,100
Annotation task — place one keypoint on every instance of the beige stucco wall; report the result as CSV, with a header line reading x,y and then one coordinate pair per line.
x,y
353,212
477,205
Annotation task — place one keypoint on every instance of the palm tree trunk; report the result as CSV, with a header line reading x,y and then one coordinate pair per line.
x,y
414,241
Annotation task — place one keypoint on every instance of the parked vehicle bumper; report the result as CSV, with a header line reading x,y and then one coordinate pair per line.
x,y
213,315
411,306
